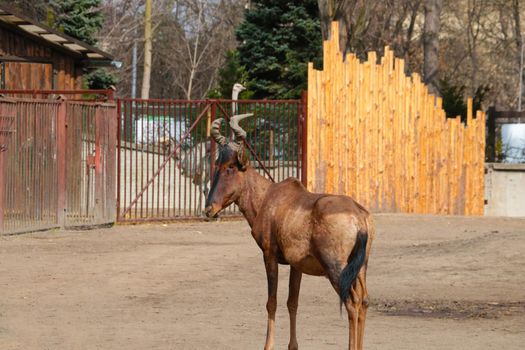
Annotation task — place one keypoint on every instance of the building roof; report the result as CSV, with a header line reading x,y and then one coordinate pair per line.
x,y
12,19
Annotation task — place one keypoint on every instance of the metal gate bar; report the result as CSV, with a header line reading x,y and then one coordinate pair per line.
x,y
163,165
165,155
160,151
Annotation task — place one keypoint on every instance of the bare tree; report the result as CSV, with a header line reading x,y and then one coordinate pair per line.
x,y
355,20
124,23
147,51
373,24
519,46
196,35
431,43
478,40
189,42
474,13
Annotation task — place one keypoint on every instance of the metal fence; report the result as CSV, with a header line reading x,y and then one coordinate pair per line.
x,y
72,95
58,160
90,153
165,154
57,166
30,167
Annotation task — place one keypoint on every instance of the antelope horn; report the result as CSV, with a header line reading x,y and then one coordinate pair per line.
x,y
216,132
238,132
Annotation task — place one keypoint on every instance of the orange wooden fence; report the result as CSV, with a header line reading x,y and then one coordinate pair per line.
x,y
378,136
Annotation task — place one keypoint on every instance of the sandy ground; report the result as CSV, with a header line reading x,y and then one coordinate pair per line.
x,y
435,283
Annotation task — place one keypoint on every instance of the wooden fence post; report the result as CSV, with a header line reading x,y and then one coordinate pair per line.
x,y
383,139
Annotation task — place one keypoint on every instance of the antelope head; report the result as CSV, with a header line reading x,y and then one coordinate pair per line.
x,y
229,168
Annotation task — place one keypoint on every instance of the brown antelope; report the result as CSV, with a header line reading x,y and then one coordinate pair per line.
x,y
316,234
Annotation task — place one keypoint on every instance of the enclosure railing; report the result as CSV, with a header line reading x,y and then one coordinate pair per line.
x,y
166,157
58,164
379,136
83,95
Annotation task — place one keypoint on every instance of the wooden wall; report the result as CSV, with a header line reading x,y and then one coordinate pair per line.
x,y
380,137
31,64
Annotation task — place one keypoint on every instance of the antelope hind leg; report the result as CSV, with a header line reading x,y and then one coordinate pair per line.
x,y
361,282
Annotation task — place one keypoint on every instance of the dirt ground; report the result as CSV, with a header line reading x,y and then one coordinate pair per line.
x,y
435,283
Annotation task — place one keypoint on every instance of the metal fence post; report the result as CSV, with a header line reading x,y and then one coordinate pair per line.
x,y
213,146
99,160
61,123
113,136
119,150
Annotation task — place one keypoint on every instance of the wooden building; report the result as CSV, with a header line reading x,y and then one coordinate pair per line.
x,y
34,56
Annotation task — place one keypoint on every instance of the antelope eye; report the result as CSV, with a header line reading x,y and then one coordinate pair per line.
x,y
229,170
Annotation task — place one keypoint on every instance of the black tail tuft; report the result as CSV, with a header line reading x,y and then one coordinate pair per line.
x,y
355,261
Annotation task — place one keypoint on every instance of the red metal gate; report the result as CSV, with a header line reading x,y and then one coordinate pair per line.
x,y
91,156
58,165
30,172
165,154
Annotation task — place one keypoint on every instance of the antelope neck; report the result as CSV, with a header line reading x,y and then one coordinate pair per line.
x,y
252,194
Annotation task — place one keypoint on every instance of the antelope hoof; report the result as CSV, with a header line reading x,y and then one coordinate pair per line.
x,y
293,347
211,212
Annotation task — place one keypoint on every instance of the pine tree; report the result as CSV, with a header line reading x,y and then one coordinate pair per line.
x,y
277,40
230,73
80,19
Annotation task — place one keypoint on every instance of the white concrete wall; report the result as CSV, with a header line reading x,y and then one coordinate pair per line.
x,y
505,190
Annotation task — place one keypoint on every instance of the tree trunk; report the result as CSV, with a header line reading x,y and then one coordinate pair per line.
x,y
431,44
147,51
473,20
519,47
360,26
336,10
326,14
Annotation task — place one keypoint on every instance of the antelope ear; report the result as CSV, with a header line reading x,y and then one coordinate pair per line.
x,y
242,157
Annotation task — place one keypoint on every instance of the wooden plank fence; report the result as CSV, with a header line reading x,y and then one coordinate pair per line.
x,y
379,136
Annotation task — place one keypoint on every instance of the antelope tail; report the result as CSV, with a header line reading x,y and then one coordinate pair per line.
x,y
355,262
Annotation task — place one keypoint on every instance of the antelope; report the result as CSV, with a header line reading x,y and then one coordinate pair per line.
x,y
316,234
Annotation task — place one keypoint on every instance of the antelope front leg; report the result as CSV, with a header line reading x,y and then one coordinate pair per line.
x,y
293,301
270,262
